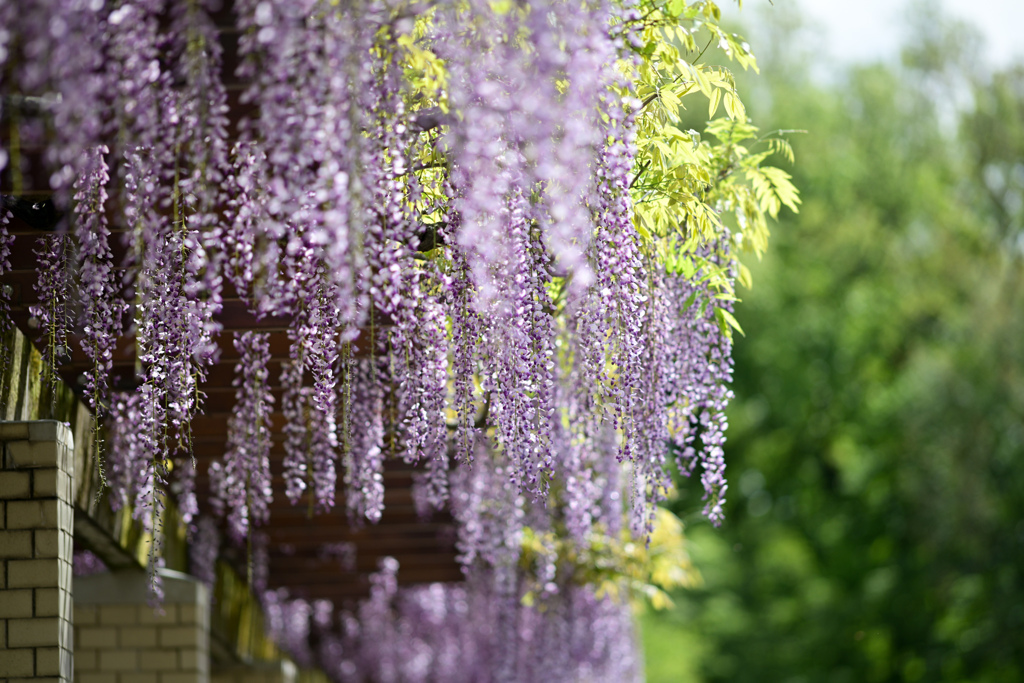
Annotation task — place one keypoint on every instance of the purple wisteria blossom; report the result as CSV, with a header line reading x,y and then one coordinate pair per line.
x,y
473,632
203,552
535,358
364,441
54,314
86,563
241,483
126,459
488,509
699,366
99,289
312,441
6,242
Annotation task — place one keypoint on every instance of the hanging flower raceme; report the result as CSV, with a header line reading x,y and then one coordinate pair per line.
x,y
6,242
700,367
174,343
288,622
126,458
520,337
139,86
311,446
488,510
415,343
520,133
294,407
466,325
136,473
578,460
364,389
204,123
151,490
203,143
241,481
203,552
246,256
102,305
76,60
55,290
319,342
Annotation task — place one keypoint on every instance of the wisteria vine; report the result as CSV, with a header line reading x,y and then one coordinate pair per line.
x,y
484,264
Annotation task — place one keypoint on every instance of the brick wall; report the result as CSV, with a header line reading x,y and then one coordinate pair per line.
x,y
36,531
116,637
119,638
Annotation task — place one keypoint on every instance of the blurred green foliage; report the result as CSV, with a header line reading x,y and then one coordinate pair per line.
x,y
875,525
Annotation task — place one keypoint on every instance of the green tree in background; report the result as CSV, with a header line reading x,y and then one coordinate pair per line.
x,y
875,526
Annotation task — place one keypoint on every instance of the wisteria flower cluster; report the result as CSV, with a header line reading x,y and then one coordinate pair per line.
x,y
478,268
480,630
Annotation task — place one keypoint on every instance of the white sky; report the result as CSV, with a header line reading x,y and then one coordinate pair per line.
x,y
862,30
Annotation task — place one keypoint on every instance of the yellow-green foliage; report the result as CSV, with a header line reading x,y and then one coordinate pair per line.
x,y
689,187
620,566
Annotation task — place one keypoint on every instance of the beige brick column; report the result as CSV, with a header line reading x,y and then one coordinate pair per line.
x,y
119,638
36,532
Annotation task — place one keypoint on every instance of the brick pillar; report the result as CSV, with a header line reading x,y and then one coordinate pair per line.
x,y
36,532
119,638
